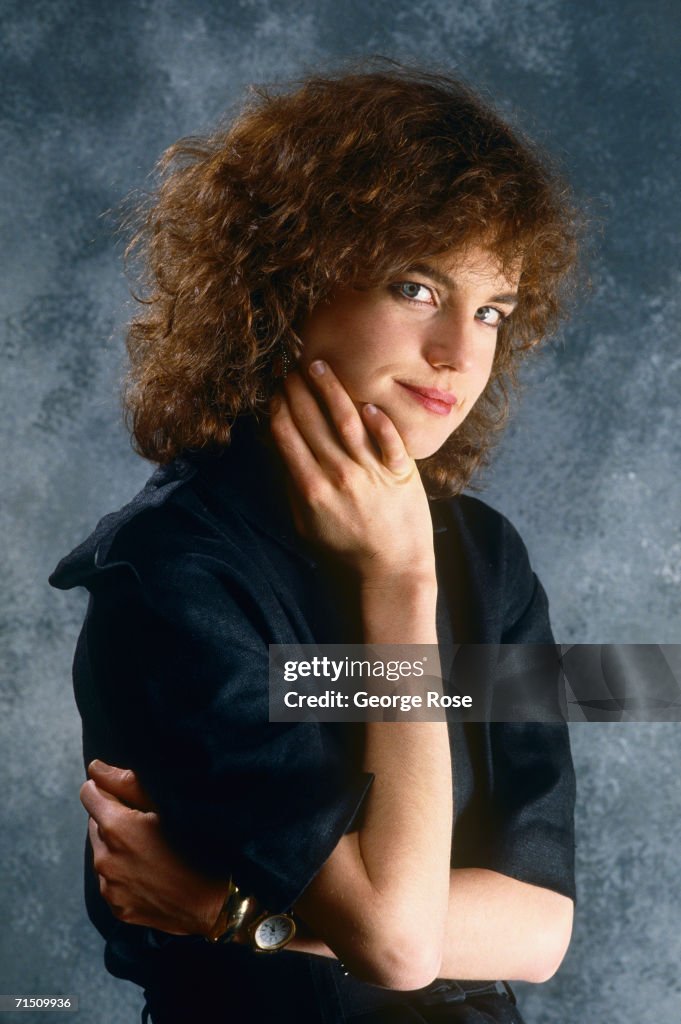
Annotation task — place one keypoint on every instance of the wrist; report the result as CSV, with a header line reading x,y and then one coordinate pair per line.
x,y
416,579
208,909
399,609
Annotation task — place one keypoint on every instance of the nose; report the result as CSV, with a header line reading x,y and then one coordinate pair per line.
x,y
451,342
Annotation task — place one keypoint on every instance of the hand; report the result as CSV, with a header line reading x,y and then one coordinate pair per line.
x,y
140,877
356,491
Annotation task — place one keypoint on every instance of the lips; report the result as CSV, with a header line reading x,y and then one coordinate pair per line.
x,y
433,399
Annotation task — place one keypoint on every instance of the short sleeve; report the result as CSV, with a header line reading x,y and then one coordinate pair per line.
x,y
525,604
178,649
531,833
534,787
531,829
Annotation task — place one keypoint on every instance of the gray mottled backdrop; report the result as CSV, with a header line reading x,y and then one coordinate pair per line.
x,y
589,471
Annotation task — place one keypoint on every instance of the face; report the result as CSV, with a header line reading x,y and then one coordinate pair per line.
x,y
420,347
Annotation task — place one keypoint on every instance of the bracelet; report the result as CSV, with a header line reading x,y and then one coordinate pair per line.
x,y
265,932
231,916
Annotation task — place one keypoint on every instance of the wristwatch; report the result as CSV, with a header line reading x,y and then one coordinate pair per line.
x,y
242,920
271,932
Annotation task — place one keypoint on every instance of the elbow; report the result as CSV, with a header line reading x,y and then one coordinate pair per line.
x,y
403,970
399,960
552,943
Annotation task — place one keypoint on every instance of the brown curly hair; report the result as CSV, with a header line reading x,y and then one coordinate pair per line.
x,y
352,175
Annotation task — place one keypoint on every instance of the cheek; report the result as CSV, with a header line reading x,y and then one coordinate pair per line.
x,y
485,375
483,371
330,334
478,385
477,382
355,347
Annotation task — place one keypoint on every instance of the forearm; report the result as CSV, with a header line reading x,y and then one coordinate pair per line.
x,y
401,855
395,871
497,927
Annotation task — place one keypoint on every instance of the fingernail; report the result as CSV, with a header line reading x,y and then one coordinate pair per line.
x,y
98,766
371,409
317,368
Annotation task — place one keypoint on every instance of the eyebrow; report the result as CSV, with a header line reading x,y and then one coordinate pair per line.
x,y
507,298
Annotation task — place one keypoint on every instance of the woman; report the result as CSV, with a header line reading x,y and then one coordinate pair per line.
x,y
342,284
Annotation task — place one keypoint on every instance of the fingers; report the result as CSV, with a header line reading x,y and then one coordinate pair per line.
x,y
113,891
100,850
316,425
107,811
351,426
106,831
96,801
122,783
309,420
394,455
101,860
299,460
327,419
345,419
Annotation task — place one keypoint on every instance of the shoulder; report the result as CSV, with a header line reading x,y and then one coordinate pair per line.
x,y
498,565
175,578
488,538
162,530
485,530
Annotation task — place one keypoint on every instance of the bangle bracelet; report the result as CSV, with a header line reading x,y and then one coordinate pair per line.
x,y
232,915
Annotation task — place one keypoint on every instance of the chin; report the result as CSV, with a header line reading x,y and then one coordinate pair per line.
x,y
420,441
422,449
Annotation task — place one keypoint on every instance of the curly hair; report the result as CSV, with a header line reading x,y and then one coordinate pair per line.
x,y
348,176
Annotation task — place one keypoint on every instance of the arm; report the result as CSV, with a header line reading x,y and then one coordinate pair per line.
x,y
372,898
496,926
353,486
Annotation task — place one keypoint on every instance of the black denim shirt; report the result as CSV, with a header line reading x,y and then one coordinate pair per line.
x,y
189,584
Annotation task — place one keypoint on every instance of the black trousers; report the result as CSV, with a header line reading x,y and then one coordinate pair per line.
x,y
482,1009
201,987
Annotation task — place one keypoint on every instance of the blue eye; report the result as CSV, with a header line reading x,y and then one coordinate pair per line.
x,y
415,292
490,315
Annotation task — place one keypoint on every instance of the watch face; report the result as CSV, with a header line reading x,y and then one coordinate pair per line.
x,y
274,932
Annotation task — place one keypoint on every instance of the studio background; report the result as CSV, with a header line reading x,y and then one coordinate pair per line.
x,y
588,471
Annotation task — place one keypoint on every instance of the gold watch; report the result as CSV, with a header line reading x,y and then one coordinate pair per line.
x,y
271,932
265,932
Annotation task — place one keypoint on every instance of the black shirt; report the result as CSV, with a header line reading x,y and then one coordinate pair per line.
x,y
189,584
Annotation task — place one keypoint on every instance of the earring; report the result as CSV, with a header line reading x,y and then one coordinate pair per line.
x,y
287,355
285,361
